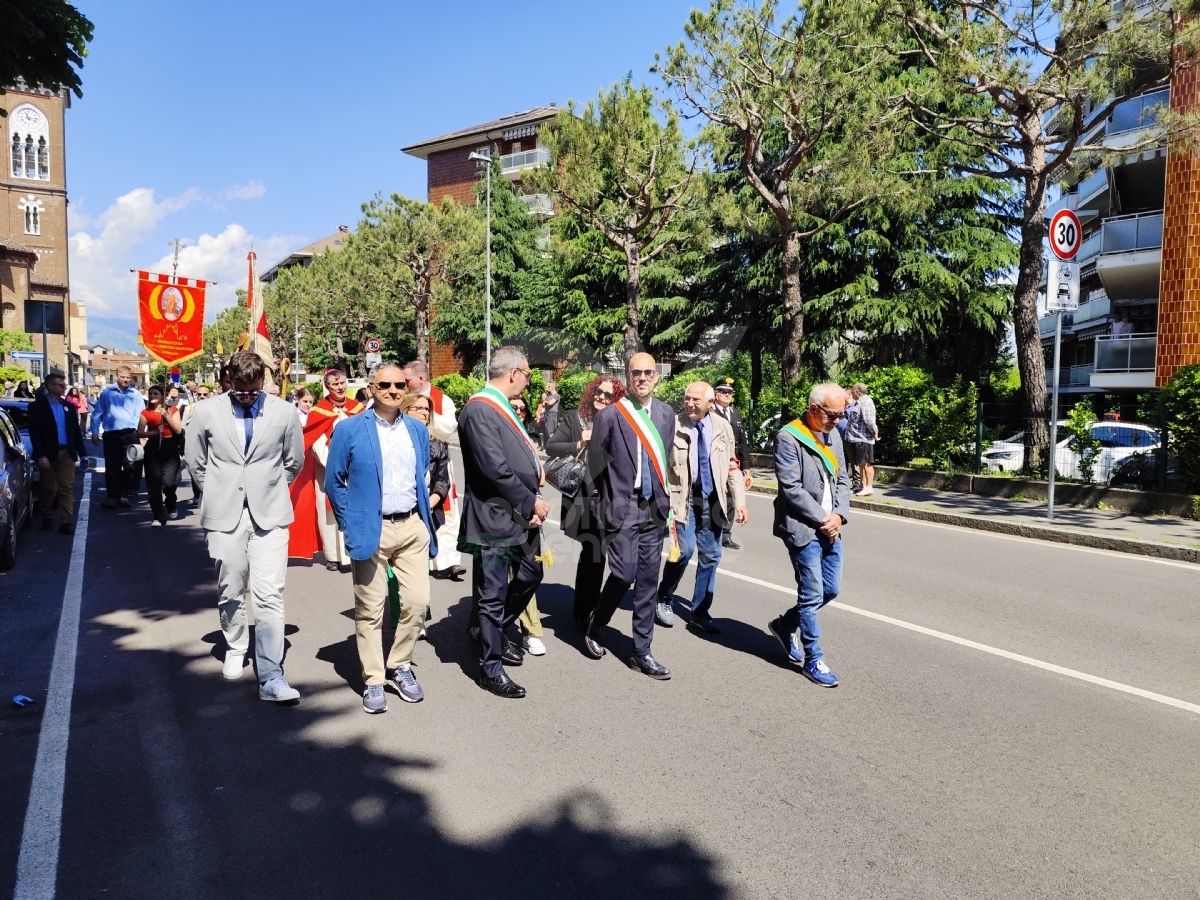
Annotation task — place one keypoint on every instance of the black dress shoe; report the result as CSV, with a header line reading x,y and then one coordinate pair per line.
x,y
731,544
703,622
648,665
66,528
502,686
592,647
512,655
455,572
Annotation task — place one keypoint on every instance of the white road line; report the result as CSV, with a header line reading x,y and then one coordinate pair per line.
x,y
37,866
961,529
975,645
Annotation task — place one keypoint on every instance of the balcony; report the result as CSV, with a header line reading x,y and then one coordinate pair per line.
x,y
1131,256
512,165
1125,362
1097,307
1046,323
1093,193
1089,248
1137,114
538,205
1072,376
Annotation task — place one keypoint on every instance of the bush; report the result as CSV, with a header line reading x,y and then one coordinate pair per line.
x,y
1079,426
458,388
15,374
919,420
1182,399
571,385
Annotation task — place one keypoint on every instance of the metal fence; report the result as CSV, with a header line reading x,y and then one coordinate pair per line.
x,y
1122,447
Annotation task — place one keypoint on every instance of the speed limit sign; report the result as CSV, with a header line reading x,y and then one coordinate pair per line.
x,y
374,345
1066,234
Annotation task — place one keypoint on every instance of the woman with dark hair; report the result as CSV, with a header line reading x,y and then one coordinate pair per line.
x,y
160,425
23,390
578,517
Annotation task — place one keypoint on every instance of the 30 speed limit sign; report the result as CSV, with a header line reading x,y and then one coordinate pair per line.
x,y
374,345
1065,234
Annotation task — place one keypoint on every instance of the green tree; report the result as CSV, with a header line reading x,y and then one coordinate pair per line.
x,y
1044,68
626,184
14,340
43,42
807,106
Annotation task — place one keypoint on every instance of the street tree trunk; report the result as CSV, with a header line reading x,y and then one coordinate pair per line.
x,y
793,313
1030,360
633,282
421,325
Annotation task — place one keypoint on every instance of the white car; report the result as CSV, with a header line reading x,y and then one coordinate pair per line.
x,y
1118,440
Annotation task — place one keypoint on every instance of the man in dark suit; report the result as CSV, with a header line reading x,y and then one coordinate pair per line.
x,y
57,446
724,408
630,441
503,512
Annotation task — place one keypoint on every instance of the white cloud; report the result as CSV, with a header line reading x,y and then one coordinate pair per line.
x,y
105,247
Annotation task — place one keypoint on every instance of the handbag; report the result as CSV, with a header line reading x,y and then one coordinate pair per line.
x,y
566,472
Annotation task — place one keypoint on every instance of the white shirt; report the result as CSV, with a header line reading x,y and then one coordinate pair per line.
x,y
637,481
399,457
442,425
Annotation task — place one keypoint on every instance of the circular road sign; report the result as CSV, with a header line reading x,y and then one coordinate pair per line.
x,y
374,345
1066,234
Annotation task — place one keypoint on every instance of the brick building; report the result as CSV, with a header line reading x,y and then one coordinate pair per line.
x,y
450,173
34,271
1139,315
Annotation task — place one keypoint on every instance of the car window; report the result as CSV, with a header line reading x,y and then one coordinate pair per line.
x,y
19,413
7,432
1134,437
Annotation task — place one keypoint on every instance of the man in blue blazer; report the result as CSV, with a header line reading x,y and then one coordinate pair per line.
x,y
375,481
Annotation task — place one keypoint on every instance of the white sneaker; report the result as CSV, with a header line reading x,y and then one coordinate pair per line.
x,y
156,524
866,492
234,663
176,514
533,646
277,690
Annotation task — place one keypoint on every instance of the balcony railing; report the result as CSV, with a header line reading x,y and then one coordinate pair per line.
x,y
1093,183
1124,233
527,159
1126,353
1072,376
1137,113
1098,306
1089,248
538,204
1046,323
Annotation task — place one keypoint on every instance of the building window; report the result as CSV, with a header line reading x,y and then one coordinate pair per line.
x,y
31,207
35,368
30,143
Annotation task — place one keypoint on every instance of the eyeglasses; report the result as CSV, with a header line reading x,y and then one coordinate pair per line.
x,y
642,373
388,385
525,372
607,396
829,414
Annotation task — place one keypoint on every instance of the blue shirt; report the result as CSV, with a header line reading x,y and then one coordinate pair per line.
x,y
60,419
117,409
248,416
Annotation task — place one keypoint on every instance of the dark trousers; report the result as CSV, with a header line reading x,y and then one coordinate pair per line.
x,y
119,477
501,599
634,558
162,476
589,574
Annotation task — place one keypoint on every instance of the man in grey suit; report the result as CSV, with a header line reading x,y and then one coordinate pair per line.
x,y
810,509
243,449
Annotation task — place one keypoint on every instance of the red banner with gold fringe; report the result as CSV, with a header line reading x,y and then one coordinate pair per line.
x,y
171,316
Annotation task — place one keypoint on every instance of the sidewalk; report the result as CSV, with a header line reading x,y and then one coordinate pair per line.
x,y
1162,536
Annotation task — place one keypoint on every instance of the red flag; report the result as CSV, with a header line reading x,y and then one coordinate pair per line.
x,y
171,316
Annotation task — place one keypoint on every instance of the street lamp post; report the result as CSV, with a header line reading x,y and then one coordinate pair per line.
x,y
487,308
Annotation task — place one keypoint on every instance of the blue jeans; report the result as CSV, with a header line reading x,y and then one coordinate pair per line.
x,y
818,568
703,533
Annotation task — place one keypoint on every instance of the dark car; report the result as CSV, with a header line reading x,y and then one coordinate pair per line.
x,y
18,410
16,488
1140,470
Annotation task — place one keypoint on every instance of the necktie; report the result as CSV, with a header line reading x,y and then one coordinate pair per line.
x,y
248,419
702,462
647,475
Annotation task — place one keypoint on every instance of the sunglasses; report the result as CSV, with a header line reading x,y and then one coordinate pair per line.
x,y
642,373
832,416
604,395
245,393
388,385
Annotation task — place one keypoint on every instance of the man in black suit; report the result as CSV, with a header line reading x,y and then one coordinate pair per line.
x,y
57,446
503,512
630,440
724,408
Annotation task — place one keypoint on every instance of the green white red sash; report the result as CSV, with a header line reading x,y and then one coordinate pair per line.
x,y
497,401
647,434
804,435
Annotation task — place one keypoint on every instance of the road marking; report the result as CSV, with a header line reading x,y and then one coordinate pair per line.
x,y
37,866
960,529
975,645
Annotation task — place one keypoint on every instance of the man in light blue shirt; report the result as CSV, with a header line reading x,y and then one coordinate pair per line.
x,y
117,410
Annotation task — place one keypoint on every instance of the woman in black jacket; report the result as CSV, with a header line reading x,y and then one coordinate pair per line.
x,y
438,477
578,516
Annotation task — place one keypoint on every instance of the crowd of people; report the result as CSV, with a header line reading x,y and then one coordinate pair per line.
x,y
368,482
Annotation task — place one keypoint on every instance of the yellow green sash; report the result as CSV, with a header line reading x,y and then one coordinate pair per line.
x,y
804,435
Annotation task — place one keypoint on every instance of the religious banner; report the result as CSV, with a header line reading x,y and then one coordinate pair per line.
x,y
171,316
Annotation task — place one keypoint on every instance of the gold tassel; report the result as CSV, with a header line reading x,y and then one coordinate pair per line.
x,y
547,558
673,554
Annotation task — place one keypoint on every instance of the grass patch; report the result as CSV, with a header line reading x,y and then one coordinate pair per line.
x,y
1019,495
1103,505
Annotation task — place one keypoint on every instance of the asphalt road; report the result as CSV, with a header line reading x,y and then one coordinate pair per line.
x,y
936,769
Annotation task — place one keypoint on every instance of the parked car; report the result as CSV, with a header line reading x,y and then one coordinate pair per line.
x,y
1140,470
1118,440
18,410
16,489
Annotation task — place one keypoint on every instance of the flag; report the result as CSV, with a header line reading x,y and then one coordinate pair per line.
x,y
171,317
260,338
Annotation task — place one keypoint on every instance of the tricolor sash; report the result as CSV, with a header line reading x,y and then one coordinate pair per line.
x,y
647,434
804,435
497,401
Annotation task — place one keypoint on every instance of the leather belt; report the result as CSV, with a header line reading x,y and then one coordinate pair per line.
x,y
400,517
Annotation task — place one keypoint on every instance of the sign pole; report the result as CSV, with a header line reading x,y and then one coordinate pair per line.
x,y
1054,415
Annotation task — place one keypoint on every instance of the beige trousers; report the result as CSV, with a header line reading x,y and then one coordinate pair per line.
x,y
405,545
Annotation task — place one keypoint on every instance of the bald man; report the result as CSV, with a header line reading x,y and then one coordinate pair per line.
x,y
628,456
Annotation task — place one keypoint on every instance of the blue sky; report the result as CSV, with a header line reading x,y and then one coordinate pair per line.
x,y
229,123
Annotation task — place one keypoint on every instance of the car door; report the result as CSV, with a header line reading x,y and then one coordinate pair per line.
x,y
14,492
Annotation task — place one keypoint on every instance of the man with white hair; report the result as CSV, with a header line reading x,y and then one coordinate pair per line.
x,y
862,431
810,509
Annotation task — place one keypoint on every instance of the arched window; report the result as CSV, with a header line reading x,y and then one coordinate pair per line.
x,y
30,131
32,208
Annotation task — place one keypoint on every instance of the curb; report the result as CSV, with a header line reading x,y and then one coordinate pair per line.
x,y
1037,532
